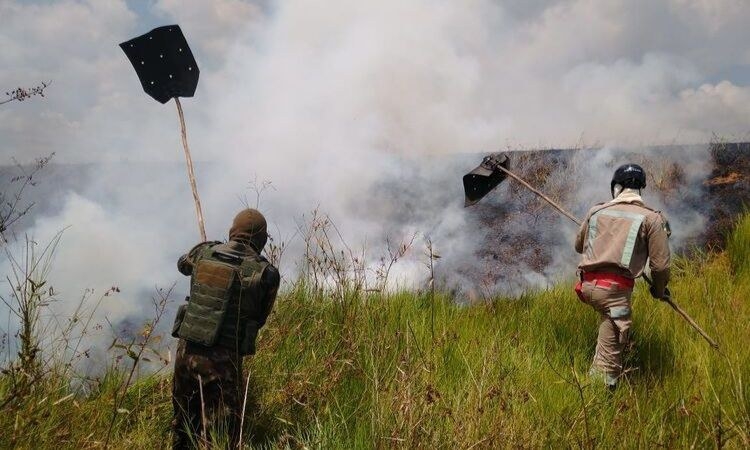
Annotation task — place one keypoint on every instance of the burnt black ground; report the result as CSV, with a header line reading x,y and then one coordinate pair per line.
x,y
525,235
728,187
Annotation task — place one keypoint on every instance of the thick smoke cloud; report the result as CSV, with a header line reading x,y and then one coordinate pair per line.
x,y
345,106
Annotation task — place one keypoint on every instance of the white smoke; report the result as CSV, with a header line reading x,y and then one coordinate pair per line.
x,y
336,102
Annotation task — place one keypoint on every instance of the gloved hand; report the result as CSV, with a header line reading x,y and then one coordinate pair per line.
x,y
667,295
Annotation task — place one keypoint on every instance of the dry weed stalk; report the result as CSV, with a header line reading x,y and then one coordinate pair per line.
x,y
257,187
274,252
135,350
12,208
244,408
31,301
20,94
394,254
329,264
432,257
328,261
28,296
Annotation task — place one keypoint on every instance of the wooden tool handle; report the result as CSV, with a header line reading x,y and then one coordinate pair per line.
x,y
547,199
191,173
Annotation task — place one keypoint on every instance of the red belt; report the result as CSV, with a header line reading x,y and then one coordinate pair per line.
x,y
605,280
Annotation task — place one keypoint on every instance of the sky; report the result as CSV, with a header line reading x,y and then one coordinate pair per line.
x,y
482,73
326,98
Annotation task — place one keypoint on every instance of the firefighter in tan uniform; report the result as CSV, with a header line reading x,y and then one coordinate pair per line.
x,y
616,240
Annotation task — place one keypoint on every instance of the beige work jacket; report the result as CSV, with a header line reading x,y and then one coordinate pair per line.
x,y
620,236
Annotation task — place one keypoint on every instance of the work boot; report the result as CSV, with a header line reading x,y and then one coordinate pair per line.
x,y
599,376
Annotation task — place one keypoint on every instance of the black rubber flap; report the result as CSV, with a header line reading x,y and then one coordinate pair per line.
x,y
164,63
480,181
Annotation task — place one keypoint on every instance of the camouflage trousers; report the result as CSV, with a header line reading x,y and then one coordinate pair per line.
x,y
612,302
206,396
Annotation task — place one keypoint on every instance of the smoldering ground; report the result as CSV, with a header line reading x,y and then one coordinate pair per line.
x,y
509,242
370,112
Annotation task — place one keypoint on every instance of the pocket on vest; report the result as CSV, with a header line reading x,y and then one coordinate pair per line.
x,y
251,334
178,320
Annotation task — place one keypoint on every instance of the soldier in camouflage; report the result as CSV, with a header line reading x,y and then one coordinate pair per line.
x,y
232,292
616,240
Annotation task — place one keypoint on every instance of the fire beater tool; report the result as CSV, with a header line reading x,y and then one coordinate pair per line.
x,y
494,168
167,69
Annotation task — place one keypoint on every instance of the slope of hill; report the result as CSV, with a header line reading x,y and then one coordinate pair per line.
x,y
413,370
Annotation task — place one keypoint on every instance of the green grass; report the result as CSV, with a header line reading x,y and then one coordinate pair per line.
x,y
374,372
738,246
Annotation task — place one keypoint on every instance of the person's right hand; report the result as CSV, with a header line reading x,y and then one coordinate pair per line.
x,y
666,296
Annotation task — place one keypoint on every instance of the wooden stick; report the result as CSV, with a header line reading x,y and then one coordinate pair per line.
x,y
191,173
685,316
549,200
244,405
204,426
692,322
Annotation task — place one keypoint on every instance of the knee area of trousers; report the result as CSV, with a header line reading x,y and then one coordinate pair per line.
x,y
619,312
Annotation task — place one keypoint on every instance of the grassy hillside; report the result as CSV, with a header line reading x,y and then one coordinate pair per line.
x,y
407,370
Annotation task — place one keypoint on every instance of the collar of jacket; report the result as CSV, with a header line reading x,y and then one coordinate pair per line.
x,y
628,196
240,245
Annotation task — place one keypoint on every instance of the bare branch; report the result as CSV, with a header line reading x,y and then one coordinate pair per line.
x,y
20,94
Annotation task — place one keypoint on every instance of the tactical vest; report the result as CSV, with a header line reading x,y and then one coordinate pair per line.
x,y
225,300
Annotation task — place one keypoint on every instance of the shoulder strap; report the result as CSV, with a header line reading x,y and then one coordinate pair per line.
x,y
206,248
253,262
198,248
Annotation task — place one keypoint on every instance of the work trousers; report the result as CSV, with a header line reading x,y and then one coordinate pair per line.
x,y
612,302
206,396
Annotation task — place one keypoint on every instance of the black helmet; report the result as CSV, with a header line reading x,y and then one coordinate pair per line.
x,y
628,176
